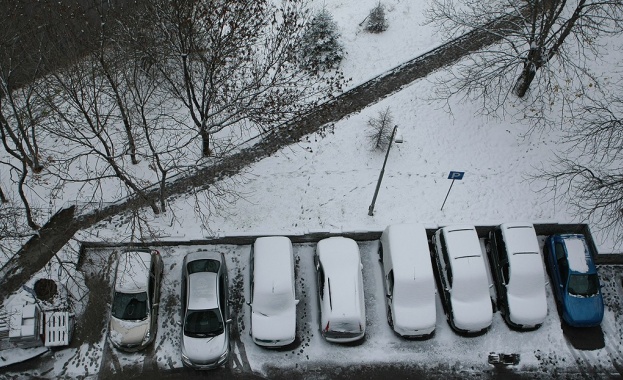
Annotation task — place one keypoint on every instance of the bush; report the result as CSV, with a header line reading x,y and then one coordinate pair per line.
x,y
320,46
380,129
377,22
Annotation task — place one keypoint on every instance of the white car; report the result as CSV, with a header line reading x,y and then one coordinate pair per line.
x,y
340,290
517,268
273,301
205,318
463,277
134,312
409,280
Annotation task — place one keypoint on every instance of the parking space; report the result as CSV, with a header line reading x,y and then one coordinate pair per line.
x,y
543,351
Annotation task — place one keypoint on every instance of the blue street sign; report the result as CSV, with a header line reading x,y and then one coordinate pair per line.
x,y
456,175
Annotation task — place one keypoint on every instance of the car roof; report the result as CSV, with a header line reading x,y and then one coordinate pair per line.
x,y
409,246
202,292
273,265
462,241
338,253
340,261
520,238
578,254
132,274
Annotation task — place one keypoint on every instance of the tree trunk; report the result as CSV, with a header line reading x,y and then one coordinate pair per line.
x,y
205,141
525,79
3,198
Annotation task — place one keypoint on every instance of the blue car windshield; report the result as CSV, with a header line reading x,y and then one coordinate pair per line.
x,y
583,285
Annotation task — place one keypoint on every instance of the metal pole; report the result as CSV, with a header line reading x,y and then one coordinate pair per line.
x,y
378,183
444,201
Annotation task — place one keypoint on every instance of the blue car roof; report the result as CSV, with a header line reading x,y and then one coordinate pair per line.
x,y
578,253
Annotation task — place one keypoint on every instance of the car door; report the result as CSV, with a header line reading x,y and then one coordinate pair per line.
x,y
560,270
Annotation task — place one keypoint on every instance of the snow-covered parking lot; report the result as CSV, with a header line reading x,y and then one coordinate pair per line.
x,y
544,353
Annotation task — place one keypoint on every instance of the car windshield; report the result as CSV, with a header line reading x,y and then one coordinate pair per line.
x,y
130,307
271,304
583,285
203,323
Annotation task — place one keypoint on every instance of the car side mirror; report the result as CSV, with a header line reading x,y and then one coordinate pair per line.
x,y
296,302
248,303
546,283
389,296
228,321
562,286
179,323
491,286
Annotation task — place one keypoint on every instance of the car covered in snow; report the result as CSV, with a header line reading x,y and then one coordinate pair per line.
x,y
574,279
409,280
463,278
135,299
273,300
205,310
519,278
340,290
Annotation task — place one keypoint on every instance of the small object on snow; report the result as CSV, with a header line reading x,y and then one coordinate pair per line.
x,y
503,359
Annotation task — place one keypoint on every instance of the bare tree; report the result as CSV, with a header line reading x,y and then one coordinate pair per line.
x,y
536,34
380,129
589,174
233,64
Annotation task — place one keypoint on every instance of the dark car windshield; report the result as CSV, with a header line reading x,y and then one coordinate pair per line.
x,y
130,307
584,285
203,323
203,265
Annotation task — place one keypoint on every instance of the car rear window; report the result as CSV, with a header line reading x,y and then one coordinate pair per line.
x,y
203,265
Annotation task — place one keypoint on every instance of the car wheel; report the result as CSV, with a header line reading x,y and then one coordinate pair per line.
x,y
381,252
390,320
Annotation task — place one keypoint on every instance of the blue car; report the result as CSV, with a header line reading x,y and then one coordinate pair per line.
x,y
575,281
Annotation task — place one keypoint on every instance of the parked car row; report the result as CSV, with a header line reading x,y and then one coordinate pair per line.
x,y
409,266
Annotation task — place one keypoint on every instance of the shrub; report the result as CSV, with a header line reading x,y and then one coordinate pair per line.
x,y
377,22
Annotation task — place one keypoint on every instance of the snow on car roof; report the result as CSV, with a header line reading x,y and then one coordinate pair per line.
x,y
577,254
409,245
273,265
202,291
133,272
462,241
520,238
340,260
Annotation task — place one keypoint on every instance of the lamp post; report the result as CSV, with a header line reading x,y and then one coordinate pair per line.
x,y
378,184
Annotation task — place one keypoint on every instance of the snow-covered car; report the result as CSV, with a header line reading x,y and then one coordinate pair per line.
x,y
205,311
409,280
517,269
463,278
574,279
135,299
273,301
340,290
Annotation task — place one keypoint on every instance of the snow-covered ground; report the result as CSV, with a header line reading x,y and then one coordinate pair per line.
x,y
326,183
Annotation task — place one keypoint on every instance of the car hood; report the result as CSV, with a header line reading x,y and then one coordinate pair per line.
x,y
527,310
583,311
276,327
204,350
415,320
474,315
128,333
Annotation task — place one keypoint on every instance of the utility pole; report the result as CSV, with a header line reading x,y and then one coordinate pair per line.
x,y
378,184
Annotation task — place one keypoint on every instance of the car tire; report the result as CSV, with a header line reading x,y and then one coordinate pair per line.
x,y
390,319
381,252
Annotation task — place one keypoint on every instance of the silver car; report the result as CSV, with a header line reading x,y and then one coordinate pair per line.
x,y
205,318
134,312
